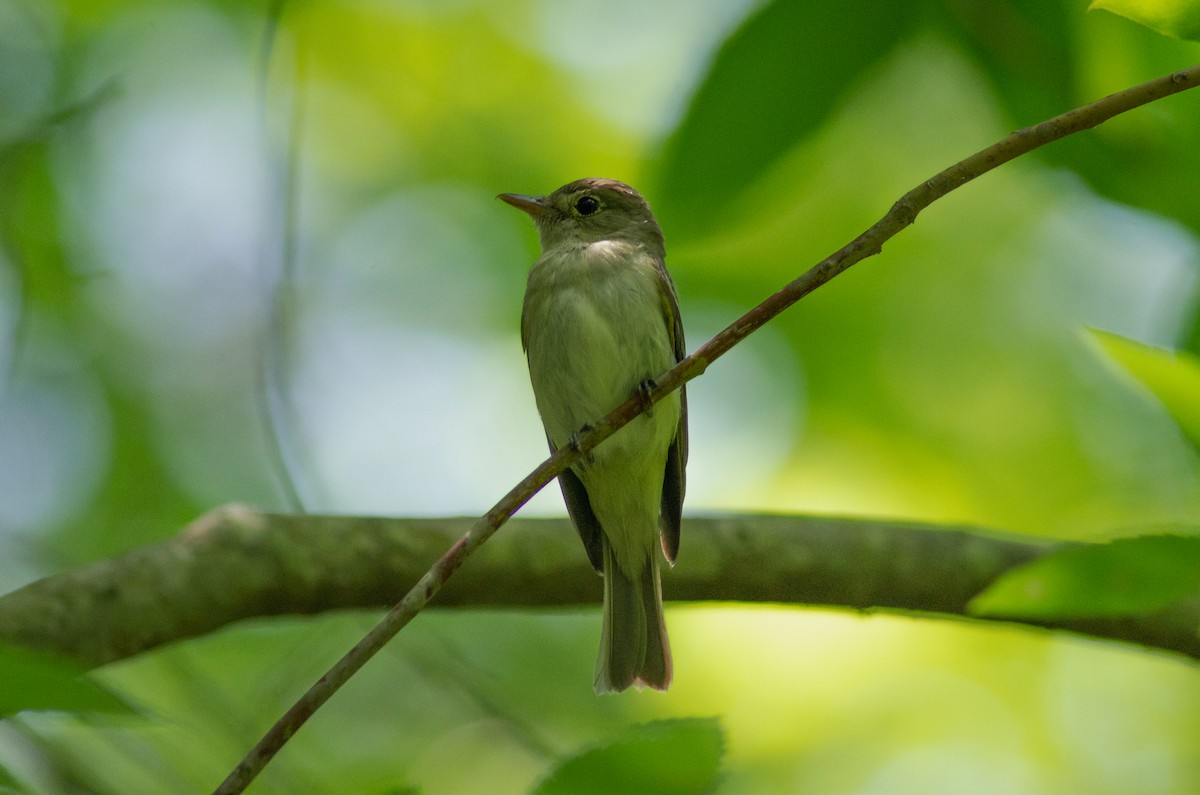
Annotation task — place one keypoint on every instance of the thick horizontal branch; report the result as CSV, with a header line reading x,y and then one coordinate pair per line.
x,y
237,563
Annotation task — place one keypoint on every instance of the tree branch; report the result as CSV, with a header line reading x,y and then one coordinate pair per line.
x,y
237,563
870,242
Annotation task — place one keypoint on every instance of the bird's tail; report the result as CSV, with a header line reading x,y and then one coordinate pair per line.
x,y
633,644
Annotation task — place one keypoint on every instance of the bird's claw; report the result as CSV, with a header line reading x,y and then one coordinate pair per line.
x,y
587,458
642,393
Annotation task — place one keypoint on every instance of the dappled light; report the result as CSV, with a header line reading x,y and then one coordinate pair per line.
x,y
234,265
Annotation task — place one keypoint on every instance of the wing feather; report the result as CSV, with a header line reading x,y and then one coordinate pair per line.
x,y
674,476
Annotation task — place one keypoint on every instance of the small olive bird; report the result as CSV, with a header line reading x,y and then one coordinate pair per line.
x,y
599,323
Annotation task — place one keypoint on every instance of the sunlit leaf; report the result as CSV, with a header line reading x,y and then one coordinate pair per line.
x,y
1172,376
38,680
1178,18
1125,577
673,756
775,81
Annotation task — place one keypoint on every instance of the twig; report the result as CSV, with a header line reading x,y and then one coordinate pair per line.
x,y
279,260
870,242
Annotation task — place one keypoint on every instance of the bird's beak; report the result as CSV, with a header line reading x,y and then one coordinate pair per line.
x,y
535,206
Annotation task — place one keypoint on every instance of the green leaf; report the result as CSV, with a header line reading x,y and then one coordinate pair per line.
x,y
1039,65
1126,577
9,784
1024,48
1177,18
773,82
32,679
1172,376
672,757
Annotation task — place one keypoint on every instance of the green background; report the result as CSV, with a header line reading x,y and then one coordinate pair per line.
x,y
189,201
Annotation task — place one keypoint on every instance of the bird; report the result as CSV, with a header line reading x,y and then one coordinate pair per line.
x,y
599,322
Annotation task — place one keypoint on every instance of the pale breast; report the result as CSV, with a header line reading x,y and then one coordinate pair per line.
x,y
593,329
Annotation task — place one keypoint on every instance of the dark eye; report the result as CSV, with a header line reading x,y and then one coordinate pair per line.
x,y
587,205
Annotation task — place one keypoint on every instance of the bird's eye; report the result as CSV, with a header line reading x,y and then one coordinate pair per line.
x,y
587,205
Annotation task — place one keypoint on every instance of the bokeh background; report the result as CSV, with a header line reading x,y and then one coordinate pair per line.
x,y
251,252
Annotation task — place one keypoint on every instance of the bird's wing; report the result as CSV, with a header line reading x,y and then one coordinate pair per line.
x,y
674,478
579,507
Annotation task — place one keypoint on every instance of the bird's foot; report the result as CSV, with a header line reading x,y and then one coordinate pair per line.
x,y
587,458
642,393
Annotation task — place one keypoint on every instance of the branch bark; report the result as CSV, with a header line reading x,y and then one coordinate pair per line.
x,y
237,563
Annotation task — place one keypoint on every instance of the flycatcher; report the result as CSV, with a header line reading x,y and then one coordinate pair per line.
x,y
600,321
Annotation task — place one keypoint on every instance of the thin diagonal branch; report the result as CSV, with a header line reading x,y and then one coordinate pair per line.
x,y
870,242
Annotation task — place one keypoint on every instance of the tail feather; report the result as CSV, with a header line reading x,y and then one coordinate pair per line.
x,y
634,649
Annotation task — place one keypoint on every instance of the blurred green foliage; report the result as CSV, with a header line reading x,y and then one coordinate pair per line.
x,y
1128,576
675,756
1172,377
1179,18
38,680
145,192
